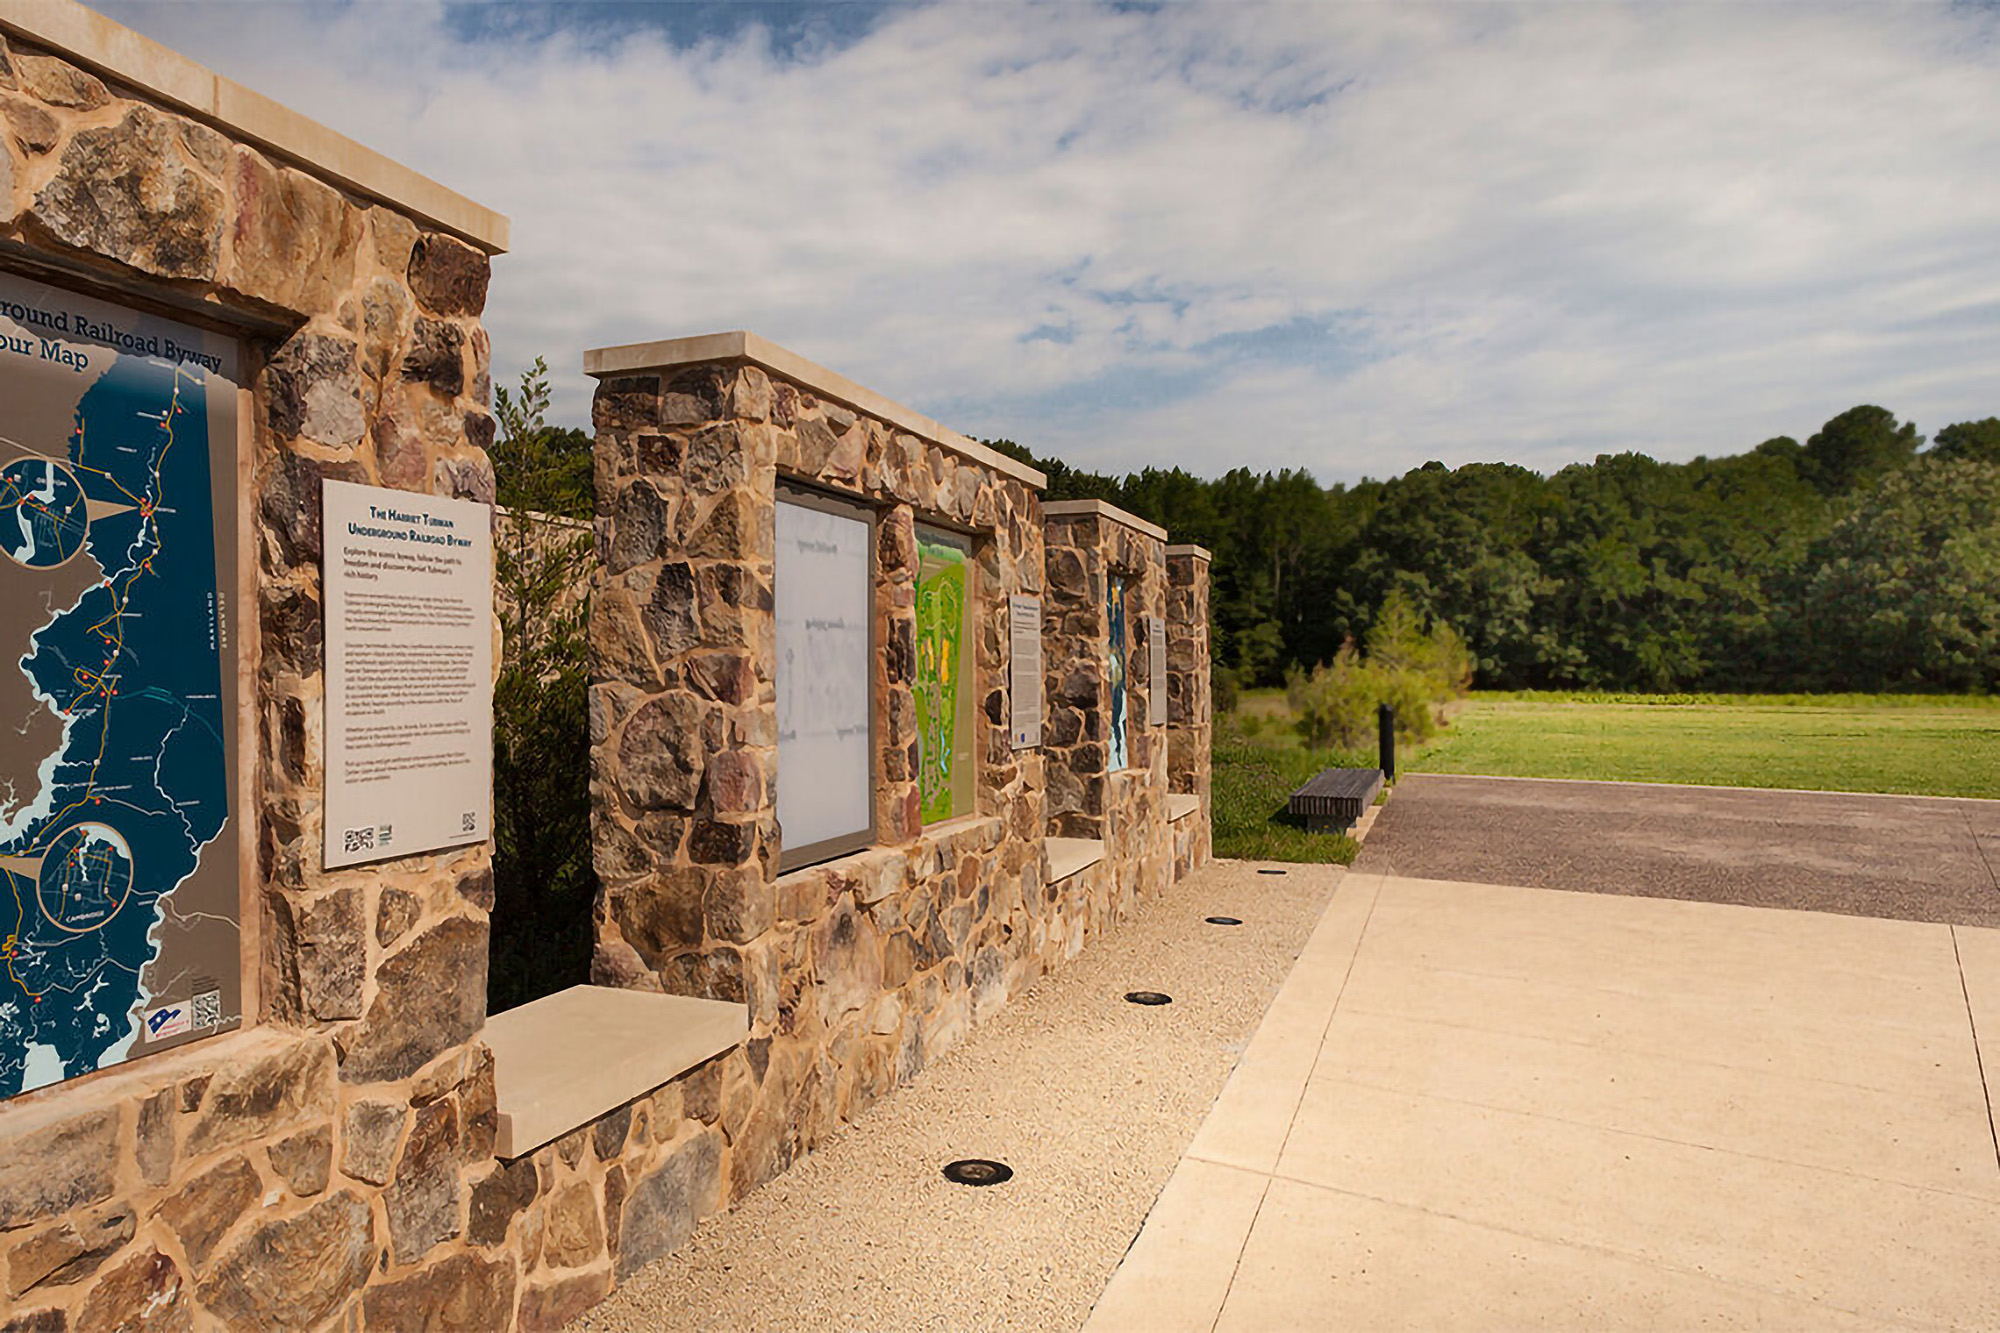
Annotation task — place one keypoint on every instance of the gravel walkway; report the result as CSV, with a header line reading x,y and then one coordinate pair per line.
x,y
1090,1099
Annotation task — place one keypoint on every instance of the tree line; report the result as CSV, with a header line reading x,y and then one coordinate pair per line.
x,y
1858,560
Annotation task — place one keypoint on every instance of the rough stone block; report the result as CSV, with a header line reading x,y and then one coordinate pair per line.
x,y
548,1306
664,1207
294,239
423,1202
261,1098
304,1161
59,1167
660,754
206,1206
430,996
295,1272
69,1251
449,276
459,1294
368,1140
149,1285
122,191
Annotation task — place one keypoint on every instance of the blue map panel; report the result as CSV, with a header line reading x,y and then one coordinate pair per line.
x,y
118,916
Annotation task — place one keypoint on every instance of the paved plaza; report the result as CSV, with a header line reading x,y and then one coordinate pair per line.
x,y
1915,858
1479,1106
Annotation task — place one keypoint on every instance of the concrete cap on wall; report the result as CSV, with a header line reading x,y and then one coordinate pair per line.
x,y
116,52
1073,508
741,345
1198,552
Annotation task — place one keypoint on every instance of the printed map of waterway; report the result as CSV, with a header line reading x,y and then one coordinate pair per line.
x,y
113,778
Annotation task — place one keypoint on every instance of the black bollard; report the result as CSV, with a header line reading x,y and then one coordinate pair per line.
x,y
1385,718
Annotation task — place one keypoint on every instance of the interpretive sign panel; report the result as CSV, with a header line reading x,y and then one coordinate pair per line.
x,y
1024,679
409,673
1156,672
825,665
1114,650
945,689
119,917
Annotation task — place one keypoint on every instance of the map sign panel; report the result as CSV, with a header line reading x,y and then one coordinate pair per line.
x,y
409,672
119,914
944,686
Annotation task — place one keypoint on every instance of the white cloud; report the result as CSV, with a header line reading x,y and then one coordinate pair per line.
x,y
1348,238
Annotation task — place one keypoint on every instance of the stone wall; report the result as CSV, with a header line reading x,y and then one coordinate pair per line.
x,y
315,1168
1088,544
858,971
1190,704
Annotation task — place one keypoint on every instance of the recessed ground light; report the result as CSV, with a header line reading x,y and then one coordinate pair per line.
x,y
1148,997
1223,920
978,1171
1271,872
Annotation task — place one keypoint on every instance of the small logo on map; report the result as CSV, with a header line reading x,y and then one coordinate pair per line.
x,y
169,1020
384,834
207,1010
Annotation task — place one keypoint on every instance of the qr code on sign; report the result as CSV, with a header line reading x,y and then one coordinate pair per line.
x,y
468,822
359,839
207,1009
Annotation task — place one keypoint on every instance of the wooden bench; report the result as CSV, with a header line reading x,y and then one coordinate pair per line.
x,y
1334,800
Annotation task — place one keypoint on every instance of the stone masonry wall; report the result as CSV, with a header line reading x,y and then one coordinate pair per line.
x,y
1125,810
1190,706
314,1169
858,971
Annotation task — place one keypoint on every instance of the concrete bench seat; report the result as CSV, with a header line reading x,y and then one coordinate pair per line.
x,y
564,1060
1180,805
1069,855
1334,800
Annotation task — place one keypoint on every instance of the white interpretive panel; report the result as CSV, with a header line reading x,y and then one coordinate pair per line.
x,y
825,665
409,673
1024,671
1156,672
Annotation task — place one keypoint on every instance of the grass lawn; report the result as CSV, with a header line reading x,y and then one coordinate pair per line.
x,y
1258,764
1919,745
1916,746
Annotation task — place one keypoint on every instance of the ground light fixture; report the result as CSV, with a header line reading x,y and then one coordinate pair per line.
x,y
1262,871
1223,920
1148,997
978,1171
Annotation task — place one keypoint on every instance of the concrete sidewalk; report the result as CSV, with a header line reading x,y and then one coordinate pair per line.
x,y
1481,1107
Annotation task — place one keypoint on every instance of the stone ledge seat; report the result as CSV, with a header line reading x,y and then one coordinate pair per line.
x,y
1069,855
564,1060
1180,805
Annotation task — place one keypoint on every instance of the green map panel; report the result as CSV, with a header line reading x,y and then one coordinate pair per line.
x,y
941,654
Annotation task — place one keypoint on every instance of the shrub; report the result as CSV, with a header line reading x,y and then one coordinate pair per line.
x,y
1411,666
1223,689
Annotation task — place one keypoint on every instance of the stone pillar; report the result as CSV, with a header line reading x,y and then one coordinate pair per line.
x,y
1190,705
1088,543
857,970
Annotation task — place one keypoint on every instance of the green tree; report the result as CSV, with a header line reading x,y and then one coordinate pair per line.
x,y
1969,442
543,883
1905,590
1856,447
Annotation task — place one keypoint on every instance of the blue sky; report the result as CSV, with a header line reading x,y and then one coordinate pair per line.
x,y
1348,238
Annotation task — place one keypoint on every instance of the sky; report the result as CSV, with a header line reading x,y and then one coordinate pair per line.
x,y
1347,238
